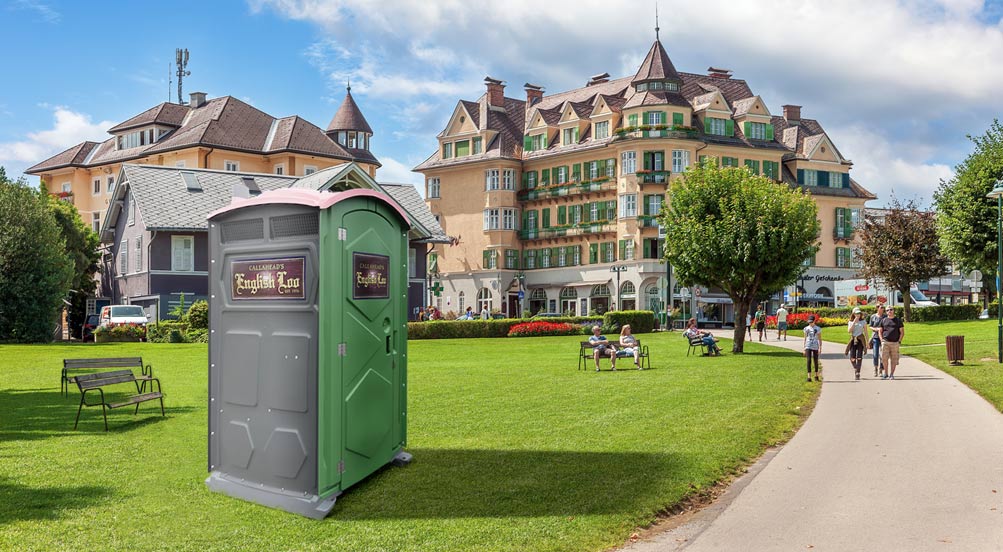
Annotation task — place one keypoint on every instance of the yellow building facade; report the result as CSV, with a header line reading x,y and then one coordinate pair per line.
x,y
221,133
556,196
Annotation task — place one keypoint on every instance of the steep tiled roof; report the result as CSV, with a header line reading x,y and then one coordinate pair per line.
x,y
166,202
585,94
226,123
349,116
655,97
74,156
743,106
407,197
656,66
168,114
474,109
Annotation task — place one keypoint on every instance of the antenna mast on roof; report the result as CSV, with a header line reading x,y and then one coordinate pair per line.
x,y
170,82
181,60
656,20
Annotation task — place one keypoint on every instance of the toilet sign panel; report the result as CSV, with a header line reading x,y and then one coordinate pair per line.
x,y
371,274
267,279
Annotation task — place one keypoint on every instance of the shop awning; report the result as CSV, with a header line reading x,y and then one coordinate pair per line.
x,y
590,283
714,300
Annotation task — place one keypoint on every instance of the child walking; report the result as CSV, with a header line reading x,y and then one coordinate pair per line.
x,y
812,345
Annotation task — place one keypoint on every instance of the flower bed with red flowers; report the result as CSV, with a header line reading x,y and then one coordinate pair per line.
x,y
534,329
800,320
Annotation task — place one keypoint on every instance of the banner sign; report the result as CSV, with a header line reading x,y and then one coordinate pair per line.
x,y
371,274
268,279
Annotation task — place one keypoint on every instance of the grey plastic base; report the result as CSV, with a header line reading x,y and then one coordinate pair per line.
x,y
402,459
311,506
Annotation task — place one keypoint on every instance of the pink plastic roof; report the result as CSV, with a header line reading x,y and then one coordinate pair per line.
x,y
310,198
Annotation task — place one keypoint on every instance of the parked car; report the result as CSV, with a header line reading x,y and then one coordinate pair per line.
x,y
90,323
113,315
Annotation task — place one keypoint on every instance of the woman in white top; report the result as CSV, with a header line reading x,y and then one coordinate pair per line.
x,y
628,345
858,341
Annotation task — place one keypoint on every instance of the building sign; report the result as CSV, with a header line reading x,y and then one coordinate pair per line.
x,y
371,276
267,279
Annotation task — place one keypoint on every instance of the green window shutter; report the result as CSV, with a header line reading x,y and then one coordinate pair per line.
x,y
602,167
576,134
587,212
647,205
734,161
593,253
545,176
525,180
661,118
546,218
706,125
486,259
801,177
823,178
623,248
729,127
562,215
576,171
769,132
527,143
846,180
648,160
525,220
677,118
632,120
746,127
645,118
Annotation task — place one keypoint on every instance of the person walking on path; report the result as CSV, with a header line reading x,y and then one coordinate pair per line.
x,y
781,322
875,324
761,321
812,345
748,323
892,331
857,329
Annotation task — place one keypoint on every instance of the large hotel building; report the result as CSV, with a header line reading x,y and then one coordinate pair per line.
x,y
556,195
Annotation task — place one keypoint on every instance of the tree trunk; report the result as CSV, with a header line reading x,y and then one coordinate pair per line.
x,y
738,339
906,303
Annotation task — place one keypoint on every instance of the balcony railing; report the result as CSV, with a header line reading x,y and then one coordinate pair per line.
x,y
653,177
571,188
569,230
840,234
656,131
647,221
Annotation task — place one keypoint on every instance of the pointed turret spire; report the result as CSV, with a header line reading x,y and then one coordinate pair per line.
x,y
656,67
349,116
656,23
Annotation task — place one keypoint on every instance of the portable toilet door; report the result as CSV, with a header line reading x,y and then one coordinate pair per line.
x,y
363,362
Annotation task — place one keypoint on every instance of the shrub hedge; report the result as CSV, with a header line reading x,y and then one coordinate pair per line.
x,y
161,332
640,322
922,314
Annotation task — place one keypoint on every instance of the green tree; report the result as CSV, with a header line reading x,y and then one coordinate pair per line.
x,y
82,248
35,273
900,246
745,234
966,218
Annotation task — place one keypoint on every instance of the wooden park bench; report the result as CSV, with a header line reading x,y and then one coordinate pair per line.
x,y
697,343
96,381
585,354
88,364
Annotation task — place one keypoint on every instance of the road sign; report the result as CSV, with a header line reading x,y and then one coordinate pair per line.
x,y
521,295
696,291
684,293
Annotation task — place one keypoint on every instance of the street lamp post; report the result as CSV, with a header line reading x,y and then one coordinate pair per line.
x,y
521,276
618,269
997,193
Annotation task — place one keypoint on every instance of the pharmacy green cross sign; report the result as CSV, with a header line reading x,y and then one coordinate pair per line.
x,y
436,289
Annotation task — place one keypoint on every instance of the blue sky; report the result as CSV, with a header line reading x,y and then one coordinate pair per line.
x,y
897,84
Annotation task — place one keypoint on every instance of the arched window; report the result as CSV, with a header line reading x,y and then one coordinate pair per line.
x,y
627,289
484,299
569,293
539,294
461,303
600,290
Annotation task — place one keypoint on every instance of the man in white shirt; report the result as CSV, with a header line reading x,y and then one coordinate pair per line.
x,y
781,322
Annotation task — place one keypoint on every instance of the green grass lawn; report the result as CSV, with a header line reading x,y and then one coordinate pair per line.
x,y
514,449
925,341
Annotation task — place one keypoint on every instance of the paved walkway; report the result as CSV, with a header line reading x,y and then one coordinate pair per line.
x,y
912,464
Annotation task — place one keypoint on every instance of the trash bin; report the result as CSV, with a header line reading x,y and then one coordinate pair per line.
x,y
307,345
955,349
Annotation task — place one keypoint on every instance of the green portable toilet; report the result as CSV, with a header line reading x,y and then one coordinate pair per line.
x,y
307,345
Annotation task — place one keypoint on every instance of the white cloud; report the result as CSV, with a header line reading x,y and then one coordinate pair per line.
x,y
395,172
886,168
69,128
43,10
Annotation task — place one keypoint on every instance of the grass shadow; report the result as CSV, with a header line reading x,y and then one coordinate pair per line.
x,y
23,503
461,483
31,414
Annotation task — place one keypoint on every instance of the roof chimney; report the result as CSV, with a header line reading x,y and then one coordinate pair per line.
x,y
598,79
719,73
534,93
496,92
197,99
792,113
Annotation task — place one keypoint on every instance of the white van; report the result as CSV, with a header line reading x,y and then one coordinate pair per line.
x,y
114,315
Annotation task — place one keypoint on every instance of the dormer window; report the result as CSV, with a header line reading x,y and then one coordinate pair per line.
x,y
138,138
658,85
643,87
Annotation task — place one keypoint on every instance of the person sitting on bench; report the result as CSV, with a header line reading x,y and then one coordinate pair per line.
x,y
706,337
628,344
601,346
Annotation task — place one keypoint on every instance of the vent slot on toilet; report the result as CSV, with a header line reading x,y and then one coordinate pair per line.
x,y
295,225
240,230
